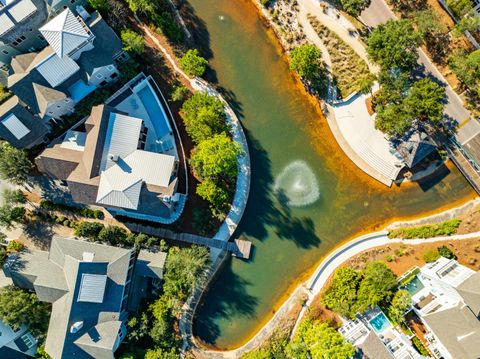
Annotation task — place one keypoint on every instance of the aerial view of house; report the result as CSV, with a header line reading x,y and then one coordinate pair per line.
x,y
248,179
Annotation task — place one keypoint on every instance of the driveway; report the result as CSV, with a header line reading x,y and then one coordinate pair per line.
x,y
377,13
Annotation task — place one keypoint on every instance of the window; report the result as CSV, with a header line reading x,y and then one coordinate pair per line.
x,y
67,100
28,340
50,112
114,75
103,83
99,76
5,52
58,106
111,68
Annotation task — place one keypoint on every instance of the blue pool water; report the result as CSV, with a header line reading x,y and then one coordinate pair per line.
x,y
414,286
79,90
155,111
379,323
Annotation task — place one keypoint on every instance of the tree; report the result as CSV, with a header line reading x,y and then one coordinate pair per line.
x,y
213,193
184,269
429,23
467,23
193,64
393,45
19,307
306,61
425,101
142,6
132,42
366,83
100,5
393,120
341,296
204,116
467,68
320,340
138,327
160,353
88,229
14,164
216,158
113,235
355,7
10,215
13,197
41,353
179,93
377,285
446,252
401,301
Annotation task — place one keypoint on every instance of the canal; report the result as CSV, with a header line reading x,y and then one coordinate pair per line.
x,y
306,196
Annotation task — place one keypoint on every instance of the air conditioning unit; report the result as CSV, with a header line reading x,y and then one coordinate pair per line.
x,y
76,327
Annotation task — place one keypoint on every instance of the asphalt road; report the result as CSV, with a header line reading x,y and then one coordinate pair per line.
x,y
378,13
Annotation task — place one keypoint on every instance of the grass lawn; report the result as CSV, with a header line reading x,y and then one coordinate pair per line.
x,y
347,67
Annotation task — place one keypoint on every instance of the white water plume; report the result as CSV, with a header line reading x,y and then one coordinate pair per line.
x,y
298,184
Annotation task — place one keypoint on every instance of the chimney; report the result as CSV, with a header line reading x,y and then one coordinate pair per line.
x,y
113,158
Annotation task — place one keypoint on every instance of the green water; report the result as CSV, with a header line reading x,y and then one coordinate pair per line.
x,y
282,126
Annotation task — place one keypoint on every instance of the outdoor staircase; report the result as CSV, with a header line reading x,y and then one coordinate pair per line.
x,y
383,167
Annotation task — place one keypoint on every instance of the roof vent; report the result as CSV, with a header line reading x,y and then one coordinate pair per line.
x,y
113,158
88,256
76,327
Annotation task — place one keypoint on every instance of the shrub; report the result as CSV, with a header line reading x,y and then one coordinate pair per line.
x,y
89,230
389,258
446,252
13,197
419,346
80,211
15,246
66,223
193,64
132,42
306,61
98,214
446,228
431,255
179,93
113,235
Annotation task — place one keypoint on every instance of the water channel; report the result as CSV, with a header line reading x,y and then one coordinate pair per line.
x,y
306,196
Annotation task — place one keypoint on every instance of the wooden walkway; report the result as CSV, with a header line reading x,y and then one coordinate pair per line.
x,y
464,166
239,248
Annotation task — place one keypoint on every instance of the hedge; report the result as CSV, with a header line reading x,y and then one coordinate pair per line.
x,y
81,211
446,228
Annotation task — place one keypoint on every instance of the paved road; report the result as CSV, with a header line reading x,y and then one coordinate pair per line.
x,y
378,13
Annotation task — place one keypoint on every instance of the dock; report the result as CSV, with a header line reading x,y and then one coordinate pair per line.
x,y
239,248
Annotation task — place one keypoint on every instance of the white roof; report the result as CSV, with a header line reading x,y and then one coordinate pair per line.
x,y
74,140
64,33
92,288
122,137
5,24
15,126
121,192
57,70
22,10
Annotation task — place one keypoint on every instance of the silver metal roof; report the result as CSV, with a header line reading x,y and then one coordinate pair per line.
x,y
57,70
22,10
92,288
15,126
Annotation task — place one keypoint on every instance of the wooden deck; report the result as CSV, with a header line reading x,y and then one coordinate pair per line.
x,y
239,248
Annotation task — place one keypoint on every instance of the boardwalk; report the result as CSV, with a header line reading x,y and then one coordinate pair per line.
x,y
239,248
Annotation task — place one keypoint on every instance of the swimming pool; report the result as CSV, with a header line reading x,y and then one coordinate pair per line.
x,y
414,286
380,323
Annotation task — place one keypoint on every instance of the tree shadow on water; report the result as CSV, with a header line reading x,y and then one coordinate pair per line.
x,y
234,302
267,209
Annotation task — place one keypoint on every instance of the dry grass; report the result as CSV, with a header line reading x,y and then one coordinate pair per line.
x,y
347,67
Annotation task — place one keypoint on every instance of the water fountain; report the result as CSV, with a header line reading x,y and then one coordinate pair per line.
x,y
297,184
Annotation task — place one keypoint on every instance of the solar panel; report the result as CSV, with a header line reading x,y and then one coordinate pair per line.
x,y
92,288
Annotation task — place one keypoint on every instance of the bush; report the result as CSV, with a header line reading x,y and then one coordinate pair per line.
x,y
132,42
419,346
89,230
179,93
15,246
80,211
389,258
460,7
66,223
193,64
446,228
113,235
431,255
13,197
166,25
446,252
306,61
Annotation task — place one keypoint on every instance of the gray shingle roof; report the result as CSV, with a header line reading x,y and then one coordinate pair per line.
x,y
470,292
415,148
458,329
373,348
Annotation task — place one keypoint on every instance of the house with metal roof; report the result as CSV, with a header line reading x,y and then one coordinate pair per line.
x,y
82,56
90,288
20,21
123,158
446,298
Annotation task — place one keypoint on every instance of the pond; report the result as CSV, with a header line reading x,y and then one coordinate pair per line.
x,y
306,196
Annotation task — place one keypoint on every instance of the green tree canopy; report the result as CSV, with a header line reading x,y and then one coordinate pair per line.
x,y
204,116
213,193
466,67
88,229
306,61
425,101
378,284
401,301
100,5
393,120
429,23
355,7
161,353
193,64
320,341
132,42
467,23
13,196
216,158
18,307
446,252
113,235
393,45
14,164
341,296
9,215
